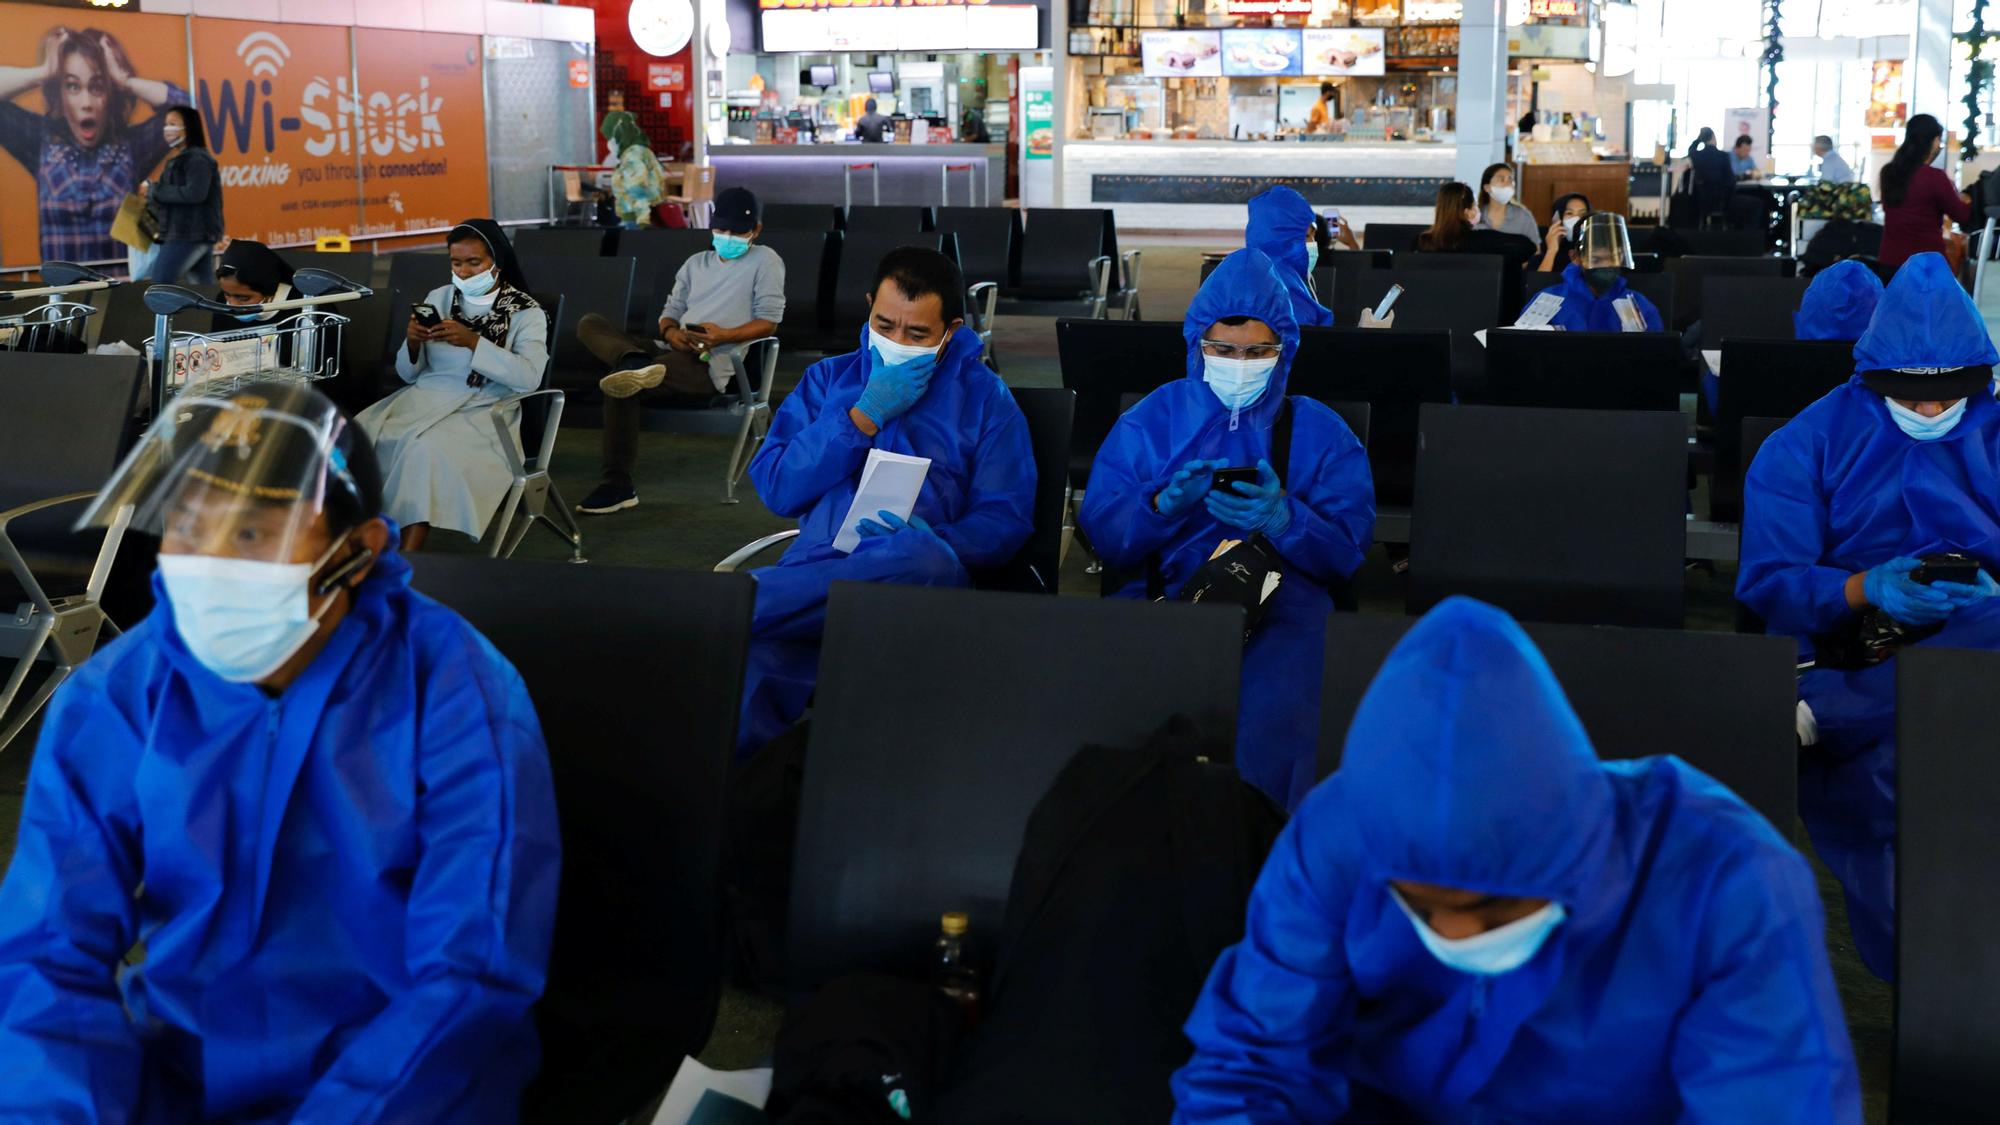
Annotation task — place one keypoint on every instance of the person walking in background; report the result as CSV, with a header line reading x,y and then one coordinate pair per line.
x,y
1917,197
83,150
187,198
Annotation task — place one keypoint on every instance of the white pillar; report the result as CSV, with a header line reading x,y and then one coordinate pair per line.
x,y
1482,87
1929,66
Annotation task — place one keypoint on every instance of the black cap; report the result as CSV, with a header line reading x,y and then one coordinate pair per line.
x,y
736,211
1929,384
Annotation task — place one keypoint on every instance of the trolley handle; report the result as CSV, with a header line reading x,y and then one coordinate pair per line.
x,y
61,279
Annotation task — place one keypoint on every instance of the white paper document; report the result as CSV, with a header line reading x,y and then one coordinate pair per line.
x,y
889,483
693,1080
1540,311
1713,357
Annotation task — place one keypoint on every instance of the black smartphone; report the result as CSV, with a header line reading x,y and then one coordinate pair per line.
x,y
426,315
1962,569
1223,478
695,329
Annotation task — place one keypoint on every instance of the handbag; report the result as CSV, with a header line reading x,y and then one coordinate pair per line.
x,y
135,225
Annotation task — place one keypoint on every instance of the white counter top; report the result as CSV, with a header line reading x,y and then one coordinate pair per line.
x,y
1369,181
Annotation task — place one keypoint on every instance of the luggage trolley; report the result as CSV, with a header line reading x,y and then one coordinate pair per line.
x,y
302,347
56,325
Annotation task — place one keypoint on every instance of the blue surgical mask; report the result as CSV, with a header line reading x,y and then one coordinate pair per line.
x,y
918,360
729,247
1496,951
1921,428
242,618
1312,255
479,284
1239,383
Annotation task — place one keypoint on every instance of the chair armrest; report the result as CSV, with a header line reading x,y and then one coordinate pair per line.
x,y
1130,258
983,299
757,388
99,572
548,448
12,514
751,550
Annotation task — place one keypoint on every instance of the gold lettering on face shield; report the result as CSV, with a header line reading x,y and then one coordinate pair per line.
x,y
236,425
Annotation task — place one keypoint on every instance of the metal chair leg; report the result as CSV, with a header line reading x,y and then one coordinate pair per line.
x,y
729,475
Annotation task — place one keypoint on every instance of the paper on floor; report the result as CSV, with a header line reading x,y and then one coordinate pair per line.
x,y
694,1080
889,483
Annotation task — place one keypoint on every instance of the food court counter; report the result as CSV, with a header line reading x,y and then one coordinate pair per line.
x,y
1202,185
910,174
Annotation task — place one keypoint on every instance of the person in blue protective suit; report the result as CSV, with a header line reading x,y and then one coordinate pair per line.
x,y
917,387
1839,303
1593,290
1839,507
1474,919
318,800
1282,229
1150,502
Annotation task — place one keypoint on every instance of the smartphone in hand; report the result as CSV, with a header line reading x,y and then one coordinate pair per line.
x,y
1221,479
427,315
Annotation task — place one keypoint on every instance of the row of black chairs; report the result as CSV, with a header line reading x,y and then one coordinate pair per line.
x,y
901,823
1663,242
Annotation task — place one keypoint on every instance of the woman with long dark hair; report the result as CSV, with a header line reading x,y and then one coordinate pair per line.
x,y
1454,230
1917,197
187,198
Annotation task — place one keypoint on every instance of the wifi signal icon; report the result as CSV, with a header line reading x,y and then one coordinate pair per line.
x,y
264,52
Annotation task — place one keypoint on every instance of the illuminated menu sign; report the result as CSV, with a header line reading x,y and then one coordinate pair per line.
x,y
1270,7
818,26
1555,9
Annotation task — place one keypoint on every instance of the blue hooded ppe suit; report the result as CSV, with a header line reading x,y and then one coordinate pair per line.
x,y
348,889
1837,491
979,497
1279,220
1838,304
1687,982
1585,311
1329,490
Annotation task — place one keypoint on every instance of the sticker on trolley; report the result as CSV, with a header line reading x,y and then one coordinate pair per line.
x,y
200,360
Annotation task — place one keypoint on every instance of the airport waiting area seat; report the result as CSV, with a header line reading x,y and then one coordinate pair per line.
x,y
1037,568
1583,370
658,254
805,218
65,422
566,242
868,222
989,242
897,825
1692,272
1756,306
812,260
1462,302
639,746
1105,360
1395,373
1396,238
1553,515
1774,378
1722,702
587,285
1069,257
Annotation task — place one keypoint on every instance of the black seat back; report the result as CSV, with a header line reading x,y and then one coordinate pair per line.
x,y
1766,379
563,242
1691,273
639,746
414,273
1553,515
1584,370
124,317
1395,373
804,218
1724,243
1057,245
899,822
989,241
64,421
535,411
1037,566
854,282
1947,903
871,222
811,259
1748,306
1655,287
1722,702
1460,301
1393,237
375,325
658,254
587,285
1337,281
1105,360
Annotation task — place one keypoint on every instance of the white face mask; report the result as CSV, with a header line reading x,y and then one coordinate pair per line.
x,y
1501,195
479,284
240,617
1239,383
1570,223
1494,952
894,354
172,134
1921,428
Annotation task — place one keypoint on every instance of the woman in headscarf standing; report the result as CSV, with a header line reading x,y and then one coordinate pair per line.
x,y
442,461
638,183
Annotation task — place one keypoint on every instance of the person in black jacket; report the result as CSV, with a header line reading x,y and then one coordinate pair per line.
x,y
187,198
1714,177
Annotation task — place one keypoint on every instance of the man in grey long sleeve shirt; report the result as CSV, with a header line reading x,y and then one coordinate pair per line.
x,y
1832,169
721,299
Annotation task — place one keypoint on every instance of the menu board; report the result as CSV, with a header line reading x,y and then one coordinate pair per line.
x,y
910,27
1182,54
1344,50
1255,52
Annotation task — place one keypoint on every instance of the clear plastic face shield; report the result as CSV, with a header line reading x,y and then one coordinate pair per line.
x,y
243,476
1605,243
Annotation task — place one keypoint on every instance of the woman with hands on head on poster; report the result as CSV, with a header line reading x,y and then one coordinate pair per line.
x,y
82,149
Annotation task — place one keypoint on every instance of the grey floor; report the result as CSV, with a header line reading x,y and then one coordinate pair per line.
x,y
681,524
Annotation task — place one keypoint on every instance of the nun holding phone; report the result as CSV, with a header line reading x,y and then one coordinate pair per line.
x,y
467,345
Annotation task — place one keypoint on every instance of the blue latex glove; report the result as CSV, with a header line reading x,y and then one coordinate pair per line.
x,y
891,525
1962,595
1890,589
1186,487
1254,507
893,388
